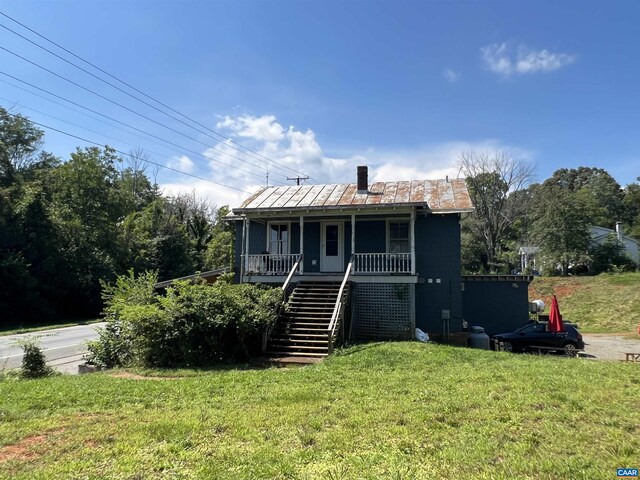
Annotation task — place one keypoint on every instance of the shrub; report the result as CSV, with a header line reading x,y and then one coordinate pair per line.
x,y
192,324
34,363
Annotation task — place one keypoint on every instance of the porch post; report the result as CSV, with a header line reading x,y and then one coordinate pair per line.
x,y
412,240
353,237
246,257
302,243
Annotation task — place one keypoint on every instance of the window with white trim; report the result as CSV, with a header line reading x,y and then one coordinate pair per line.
x,y
278,238
398,237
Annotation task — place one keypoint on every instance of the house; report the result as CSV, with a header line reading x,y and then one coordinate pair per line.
x,y
373,261
598,235
631,246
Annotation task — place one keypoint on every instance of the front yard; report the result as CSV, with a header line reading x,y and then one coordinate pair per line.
x,y
392,410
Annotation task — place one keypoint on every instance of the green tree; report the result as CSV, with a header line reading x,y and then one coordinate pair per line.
x,y
495,182
606,195
561,227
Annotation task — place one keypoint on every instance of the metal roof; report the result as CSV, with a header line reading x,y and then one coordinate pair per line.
x,y
439,196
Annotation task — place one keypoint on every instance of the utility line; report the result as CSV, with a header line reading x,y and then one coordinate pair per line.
x,y
127,108
179,152
221,136
130,155
129,126
101,134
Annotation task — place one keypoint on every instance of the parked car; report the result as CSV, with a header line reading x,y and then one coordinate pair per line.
x,y
535,336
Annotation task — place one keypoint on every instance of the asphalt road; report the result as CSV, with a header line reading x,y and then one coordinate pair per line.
x,y
63,347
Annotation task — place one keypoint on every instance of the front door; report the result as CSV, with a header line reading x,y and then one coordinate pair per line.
x,y
331,256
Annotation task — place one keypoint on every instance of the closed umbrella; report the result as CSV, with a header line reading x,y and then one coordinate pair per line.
x,y
555,319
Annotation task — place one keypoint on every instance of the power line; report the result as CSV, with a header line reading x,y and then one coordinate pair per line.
x,y
130,126
221,136
130,155
127,108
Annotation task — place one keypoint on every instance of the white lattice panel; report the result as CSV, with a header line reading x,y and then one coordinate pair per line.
x,y
383,310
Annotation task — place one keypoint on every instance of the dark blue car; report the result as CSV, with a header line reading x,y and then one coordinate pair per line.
x,y
535,337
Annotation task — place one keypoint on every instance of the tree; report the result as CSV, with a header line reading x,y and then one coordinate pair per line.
x,y
220,249
607,205
495,182
560,227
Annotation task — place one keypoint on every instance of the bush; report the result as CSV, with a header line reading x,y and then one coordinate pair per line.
x,y
34,363
191,325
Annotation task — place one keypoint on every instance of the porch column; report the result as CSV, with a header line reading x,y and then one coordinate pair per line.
x,y
353,237
412,240
247,223
302,243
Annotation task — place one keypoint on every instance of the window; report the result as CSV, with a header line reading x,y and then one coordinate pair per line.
x,y
278,238
398,237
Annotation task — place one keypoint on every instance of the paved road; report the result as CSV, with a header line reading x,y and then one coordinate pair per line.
x,y
63,347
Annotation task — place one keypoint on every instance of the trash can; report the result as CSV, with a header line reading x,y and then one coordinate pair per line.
x,y
478,339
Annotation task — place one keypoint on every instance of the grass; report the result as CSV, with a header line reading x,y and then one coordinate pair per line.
x,y
39,327
604,303
391,410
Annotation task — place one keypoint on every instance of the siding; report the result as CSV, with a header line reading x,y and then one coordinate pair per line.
x,y
438,258
495,304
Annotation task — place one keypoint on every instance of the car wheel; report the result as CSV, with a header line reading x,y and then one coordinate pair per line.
x,y
570,349
507,347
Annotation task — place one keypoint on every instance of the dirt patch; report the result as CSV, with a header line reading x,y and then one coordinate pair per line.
x,y
135,376
26,449
607,346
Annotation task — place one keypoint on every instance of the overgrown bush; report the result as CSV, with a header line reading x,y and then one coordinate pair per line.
x,y
34,363
610,256
192,324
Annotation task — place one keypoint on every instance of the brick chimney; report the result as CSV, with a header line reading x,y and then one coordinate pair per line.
x,y
363,179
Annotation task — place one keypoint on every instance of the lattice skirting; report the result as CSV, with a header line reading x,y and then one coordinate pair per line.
x,y
383,311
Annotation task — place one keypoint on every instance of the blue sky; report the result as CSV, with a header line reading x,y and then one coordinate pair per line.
x,y
319,87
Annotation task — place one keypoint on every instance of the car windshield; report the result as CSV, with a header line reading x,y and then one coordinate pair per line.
x,y
532,327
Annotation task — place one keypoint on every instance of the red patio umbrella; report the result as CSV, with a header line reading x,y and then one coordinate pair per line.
x,y
555,319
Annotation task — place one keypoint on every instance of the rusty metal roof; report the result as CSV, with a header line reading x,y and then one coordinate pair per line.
x,y
439,196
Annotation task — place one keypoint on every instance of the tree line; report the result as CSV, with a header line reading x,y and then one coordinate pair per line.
x,y
553,217
66,226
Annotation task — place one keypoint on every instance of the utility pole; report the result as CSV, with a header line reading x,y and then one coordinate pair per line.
x,y
298,179
267,178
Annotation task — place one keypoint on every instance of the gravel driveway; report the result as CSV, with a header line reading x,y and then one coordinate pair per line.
x,y
606,346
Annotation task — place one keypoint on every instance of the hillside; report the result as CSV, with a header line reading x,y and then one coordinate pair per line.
x,y
605,303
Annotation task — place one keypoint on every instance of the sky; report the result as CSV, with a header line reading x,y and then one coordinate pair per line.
x,y
315,88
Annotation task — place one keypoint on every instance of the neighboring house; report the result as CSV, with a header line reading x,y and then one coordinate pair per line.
x,y
401,239
528,258
631,246
598,236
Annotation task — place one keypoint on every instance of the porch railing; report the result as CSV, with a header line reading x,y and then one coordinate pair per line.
x,y
382,263
285,298
337,318
270,264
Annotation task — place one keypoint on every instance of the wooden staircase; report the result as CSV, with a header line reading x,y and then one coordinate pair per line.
x,y
302,328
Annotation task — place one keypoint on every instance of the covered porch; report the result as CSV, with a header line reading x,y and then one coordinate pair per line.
x,y
376,244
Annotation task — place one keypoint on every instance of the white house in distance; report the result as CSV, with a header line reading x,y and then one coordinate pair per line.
x,y
598,236
631,246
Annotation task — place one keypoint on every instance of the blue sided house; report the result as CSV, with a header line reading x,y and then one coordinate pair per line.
x,y
357,260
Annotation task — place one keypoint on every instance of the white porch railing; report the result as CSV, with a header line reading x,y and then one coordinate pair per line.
x,y
268,264
375,263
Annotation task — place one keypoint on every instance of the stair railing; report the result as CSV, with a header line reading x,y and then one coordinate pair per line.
x,y
338,310
285,298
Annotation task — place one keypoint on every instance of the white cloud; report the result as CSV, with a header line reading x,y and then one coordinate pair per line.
x,y
450,75
182,163
289,151
501,59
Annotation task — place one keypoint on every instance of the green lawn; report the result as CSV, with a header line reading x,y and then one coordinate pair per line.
x,y
605,303
393,410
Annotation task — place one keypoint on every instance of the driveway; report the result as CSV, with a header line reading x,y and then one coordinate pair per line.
x,y
606,346
63,347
